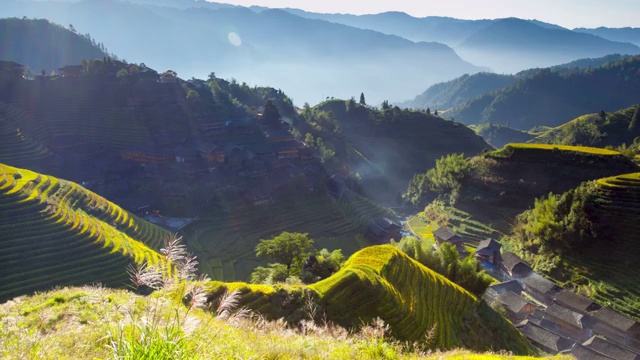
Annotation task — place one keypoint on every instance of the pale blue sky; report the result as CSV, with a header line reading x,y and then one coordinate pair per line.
x,y
567,13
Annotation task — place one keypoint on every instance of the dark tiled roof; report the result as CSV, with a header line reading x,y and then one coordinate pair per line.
x,y
575,301
583,353
539,283
614,319
546,338
489,244
443,234
386,224
512,286
510,260
513,302
609,349
566,315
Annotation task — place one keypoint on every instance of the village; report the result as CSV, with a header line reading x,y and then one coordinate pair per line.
x,y
556,320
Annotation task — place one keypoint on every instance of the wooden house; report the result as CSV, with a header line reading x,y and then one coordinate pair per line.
x,y
214,126
279,135
513,266
516,307
71,71
257,197
544,339
488,251
288,150
169,77
616,327
610,349
572,324
582,352
573,301
444,235
10,69
382,230
493,291
185,154
539,288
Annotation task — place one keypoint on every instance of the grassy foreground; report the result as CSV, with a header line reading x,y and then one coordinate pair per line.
x,y
88,322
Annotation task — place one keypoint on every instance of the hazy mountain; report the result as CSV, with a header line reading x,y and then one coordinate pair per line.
x,y
552,97
511,45
303,56
454,92
41,45
626,34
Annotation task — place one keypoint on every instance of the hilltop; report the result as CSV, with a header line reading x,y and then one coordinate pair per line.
x,y
55,233
612,129
386,146
596,248
381,281
551,98
42,45
495,187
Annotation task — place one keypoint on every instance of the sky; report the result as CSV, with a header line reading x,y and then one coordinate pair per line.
x,y
567,13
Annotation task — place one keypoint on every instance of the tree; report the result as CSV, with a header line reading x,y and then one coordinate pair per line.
x,y
271,115
309,140
385,105
428,111
286,248
362,102
435,113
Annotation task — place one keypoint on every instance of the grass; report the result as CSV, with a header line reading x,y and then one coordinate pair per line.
x,y
54,232
83,323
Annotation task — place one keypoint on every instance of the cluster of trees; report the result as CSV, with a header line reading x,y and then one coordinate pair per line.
x,y
326,153
444,260
443,180
295,260
557,224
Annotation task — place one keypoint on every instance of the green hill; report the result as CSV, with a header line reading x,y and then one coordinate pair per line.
x,y
551,97
496,186
41,45
55,233
613,129
589,239
381,281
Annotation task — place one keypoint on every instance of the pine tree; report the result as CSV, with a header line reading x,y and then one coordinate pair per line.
x,y
428,111
362,101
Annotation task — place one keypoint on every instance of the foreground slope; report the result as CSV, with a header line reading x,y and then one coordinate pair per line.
x,y
597,247
53,233
81,323
382,281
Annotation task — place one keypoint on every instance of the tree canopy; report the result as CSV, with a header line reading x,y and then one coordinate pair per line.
x,y
285,248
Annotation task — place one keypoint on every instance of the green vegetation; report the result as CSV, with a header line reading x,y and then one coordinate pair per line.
x,y
86,323
551,97
444,260
381,281
52,226
444,179
588,238
613,129
511,150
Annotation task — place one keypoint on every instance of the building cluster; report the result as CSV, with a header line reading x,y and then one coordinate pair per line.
x,y
554,319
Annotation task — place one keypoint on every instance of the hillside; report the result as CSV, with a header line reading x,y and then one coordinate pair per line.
x,y
551,98
41,45
495,187
596,249
455,92
511,45
386,147
88,318
55,233
613,129
625,34
499,136
381,281
258,47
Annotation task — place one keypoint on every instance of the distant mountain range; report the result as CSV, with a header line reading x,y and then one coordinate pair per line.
x,y
626,34
310,59
41,45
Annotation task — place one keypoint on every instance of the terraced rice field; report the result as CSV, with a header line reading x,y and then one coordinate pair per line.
x,y
225,243
53,233
613,267
16,146
547,147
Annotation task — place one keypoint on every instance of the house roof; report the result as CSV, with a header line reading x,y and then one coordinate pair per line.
x,y
513,302
567,315
444,234
583,353
614,319
204,147
511,260
575,301
386,224
489,244
539,283
512,286
546,338
611,350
